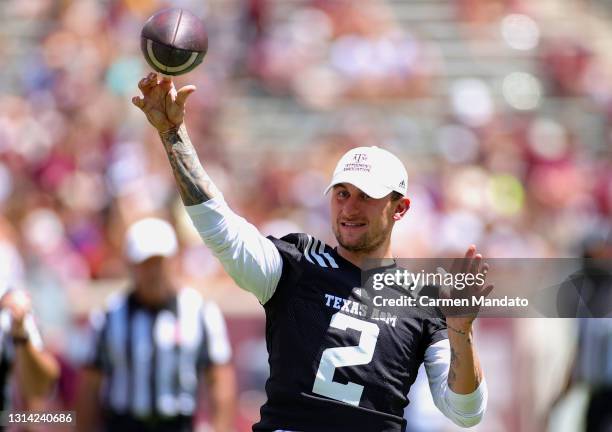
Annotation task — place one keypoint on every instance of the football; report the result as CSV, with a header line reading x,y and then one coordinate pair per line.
x,y
174,41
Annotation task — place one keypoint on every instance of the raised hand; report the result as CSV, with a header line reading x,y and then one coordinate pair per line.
x,y
163,105
18,303
461,318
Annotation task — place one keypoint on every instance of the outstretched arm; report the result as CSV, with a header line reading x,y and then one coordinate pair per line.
x,y
465,373
35,369
249,258
455,377
164,107
193,183
464,409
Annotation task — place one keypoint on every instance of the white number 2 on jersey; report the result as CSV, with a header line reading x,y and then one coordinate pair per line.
x,y
345,356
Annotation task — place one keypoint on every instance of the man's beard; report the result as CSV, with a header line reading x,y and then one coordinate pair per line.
x,y
365,244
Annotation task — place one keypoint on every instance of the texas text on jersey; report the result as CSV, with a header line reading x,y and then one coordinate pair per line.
x,y
337,363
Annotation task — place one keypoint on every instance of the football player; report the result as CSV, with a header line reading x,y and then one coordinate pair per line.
x,y
336,362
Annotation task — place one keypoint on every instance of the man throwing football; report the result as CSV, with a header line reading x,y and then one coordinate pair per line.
x,y
333,366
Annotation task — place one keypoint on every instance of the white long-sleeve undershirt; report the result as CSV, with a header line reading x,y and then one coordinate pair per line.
x,y
248,257
256,265
465,410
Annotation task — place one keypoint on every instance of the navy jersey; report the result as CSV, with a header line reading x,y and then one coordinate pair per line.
x,y
337,362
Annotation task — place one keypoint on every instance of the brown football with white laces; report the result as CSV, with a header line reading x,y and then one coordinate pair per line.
x,y
174,41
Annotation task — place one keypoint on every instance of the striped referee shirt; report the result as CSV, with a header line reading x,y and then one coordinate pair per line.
x,y
151,359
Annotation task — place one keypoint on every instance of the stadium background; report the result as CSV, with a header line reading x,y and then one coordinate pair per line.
x,y
500,109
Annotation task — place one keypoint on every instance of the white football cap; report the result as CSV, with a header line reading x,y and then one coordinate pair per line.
x,y
375,171
148,238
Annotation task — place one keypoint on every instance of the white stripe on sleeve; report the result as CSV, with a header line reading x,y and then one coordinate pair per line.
x,y
464,410
313,251
248,257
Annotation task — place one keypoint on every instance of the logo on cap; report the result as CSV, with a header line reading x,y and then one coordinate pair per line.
x,y
402,184
360,157
358,163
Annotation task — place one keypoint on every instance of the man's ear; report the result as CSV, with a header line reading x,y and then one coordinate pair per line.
x,y
402,206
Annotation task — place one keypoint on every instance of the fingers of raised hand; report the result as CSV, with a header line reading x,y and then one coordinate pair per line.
x,y
149,86
464,264
165,85
485,269
183,94
138,101
147,83
169,101
475,263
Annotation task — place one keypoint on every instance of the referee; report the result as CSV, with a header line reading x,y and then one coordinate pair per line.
x,y
154,346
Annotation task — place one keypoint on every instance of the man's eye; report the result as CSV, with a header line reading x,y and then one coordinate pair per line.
x,y
342,194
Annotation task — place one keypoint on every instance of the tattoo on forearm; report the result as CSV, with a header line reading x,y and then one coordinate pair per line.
x,y
195,186
466,333
461,332
464,374
454,357
454,364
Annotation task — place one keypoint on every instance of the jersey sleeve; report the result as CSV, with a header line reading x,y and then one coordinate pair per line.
x,y
435,330
247,256
291,250
217,349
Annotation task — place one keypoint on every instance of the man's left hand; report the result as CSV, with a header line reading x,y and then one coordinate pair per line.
x,y
460,318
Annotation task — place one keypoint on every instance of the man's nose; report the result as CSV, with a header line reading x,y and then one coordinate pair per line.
x,y
351,207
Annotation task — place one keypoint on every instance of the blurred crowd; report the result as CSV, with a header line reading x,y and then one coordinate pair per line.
x,y
505,168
